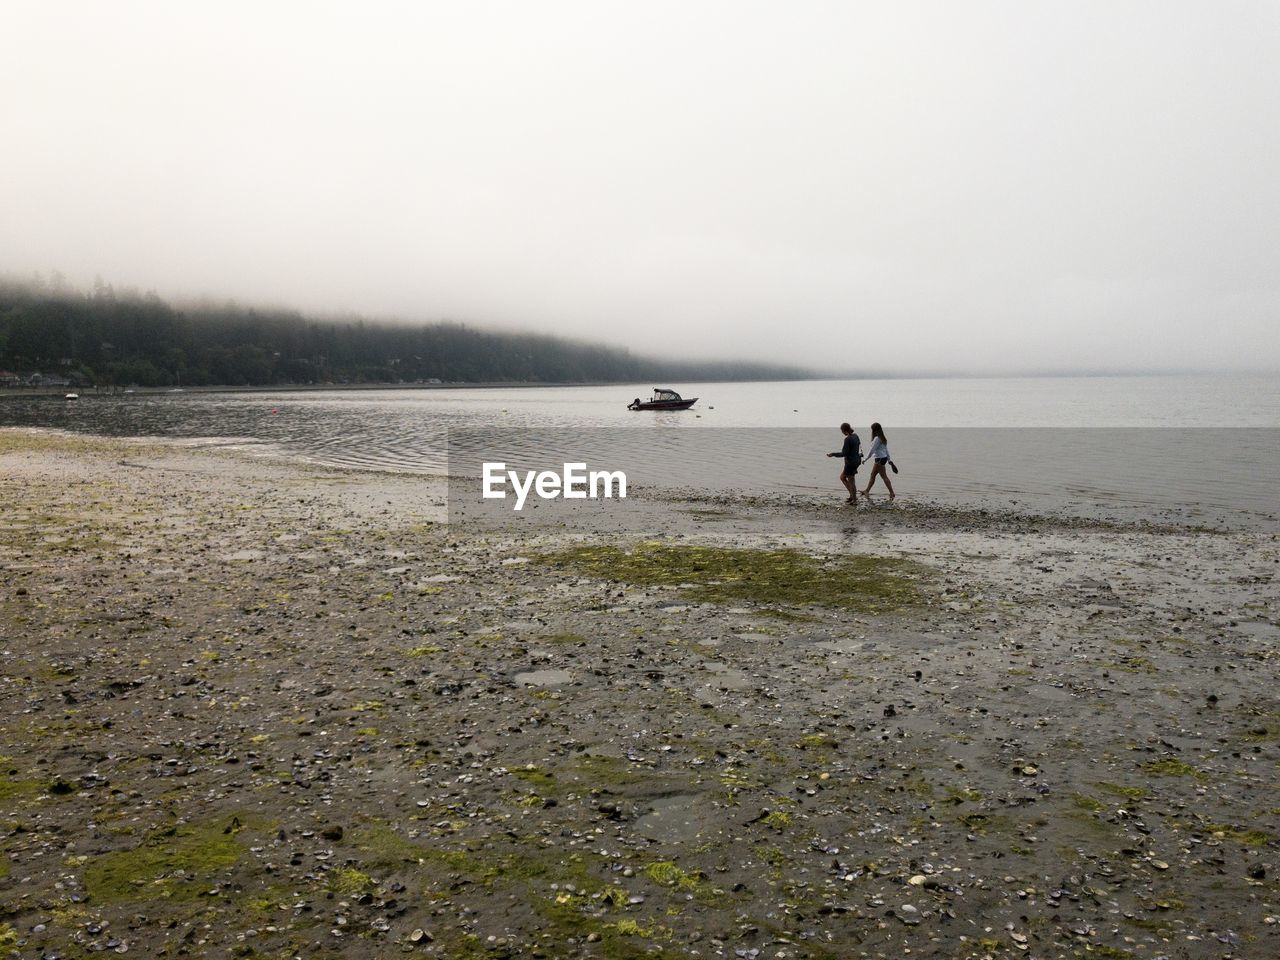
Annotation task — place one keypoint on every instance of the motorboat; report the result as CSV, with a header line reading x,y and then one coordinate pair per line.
x,y
72,396
662,399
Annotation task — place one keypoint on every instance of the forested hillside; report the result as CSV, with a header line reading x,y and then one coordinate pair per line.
x,y
108,338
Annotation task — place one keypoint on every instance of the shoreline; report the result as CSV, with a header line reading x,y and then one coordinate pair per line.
x,y
275,708
915,510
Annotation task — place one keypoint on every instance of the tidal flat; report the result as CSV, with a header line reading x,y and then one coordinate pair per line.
x,y
260,709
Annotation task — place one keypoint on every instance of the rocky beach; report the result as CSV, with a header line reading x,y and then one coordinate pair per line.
x,y
259,709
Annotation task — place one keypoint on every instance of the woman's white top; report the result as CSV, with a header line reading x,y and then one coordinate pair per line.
x,y
878,449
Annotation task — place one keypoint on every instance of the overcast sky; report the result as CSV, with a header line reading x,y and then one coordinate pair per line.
x,y
886,186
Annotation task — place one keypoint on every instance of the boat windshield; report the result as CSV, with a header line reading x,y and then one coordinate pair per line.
x,y
665,394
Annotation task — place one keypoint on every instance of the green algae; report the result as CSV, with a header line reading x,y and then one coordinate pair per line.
x,y
17,788
668,873
536,777
1263,733
1132,664
14,788
984,823
919,788
817,741
177,863
528,872
384,847
785,577
1173,768
631,928
348,880
615,941
1128,793
601,770
1250,838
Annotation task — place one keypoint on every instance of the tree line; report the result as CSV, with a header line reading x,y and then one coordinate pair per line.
x,y
103,337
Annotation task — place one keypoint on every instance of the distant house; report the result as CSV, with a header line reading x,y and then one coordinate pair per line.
x,y
9,379
41,380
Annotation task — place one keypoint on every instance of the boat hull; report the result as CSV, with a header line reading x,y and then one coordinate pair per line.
x,y
663,404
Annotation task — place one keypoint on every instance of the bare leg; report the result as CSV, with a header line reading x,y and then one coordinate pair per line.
x,y
876,471
884,473
849,485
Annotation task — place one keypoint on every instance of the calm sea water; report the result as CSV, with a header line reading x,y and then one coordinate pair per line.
x,y
1199,447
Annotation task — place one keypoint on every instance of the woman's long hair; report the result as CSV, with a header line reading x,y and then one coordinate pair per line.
x,y
878,431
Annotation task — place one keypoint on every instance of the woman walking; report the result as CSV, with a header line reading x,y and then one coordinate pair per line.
x,y
879,453
851,450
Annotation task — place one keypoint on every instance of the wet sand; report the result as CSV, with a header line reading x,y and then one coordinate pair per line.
x,y
261,710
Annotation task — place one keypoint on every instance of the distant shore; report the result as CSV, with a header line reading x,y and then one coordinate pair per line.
x,y
314,387
11,391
